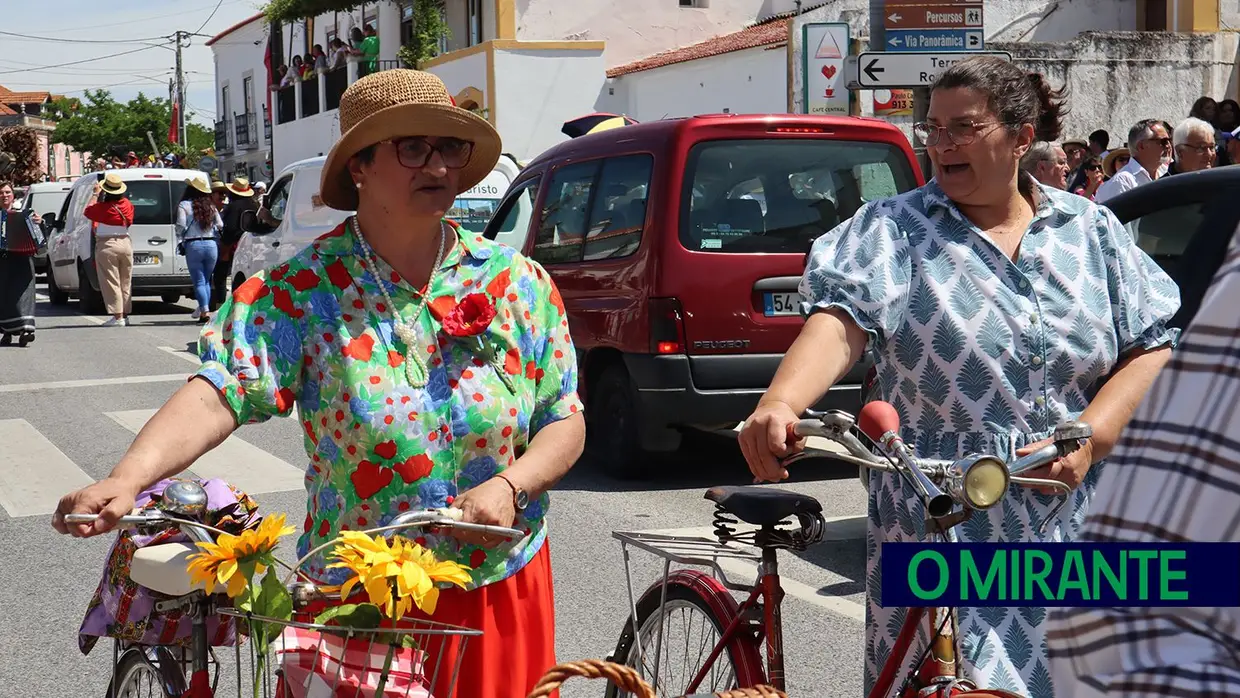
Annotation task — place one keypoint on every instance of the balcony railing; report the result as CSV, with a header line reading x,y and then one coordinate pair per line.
x,y
336,81
310,98
244,127
286,104
266,127
221,136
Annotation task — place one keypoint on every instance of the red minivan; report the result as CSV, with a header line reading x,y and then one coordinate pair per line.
x,y
678,246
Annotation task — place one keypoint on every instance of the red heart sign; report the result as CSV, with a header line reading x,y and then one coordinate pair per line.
x,y
828,71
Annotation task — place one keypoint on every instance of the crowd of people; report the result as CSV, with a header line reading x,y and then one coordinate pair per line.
x,y
363,43
132,160
1208,137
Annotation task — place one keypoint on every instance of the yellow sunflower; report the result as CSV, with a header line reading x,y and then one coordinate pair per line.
x,y
225,561
396,575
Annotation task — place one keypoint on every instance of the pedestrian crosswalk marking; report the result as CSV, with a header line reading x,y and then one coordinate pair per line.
x,y
35,474
241,464
182,354
91,382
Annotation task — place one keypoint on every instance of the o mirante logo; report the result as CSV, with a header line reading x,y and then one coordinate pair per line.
x,y
1061,574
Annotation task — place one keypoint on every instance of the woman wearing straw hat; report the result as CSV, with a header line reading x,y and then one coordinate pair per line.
x,y
198,233
428,367
112,215
240,200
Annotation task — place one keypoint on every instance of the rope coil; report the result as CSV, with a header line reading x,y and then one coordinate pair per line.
x,y
626,679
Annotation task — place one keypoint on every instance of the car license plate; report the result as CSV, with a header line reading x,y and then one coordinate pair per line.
x,y
146,259
777,304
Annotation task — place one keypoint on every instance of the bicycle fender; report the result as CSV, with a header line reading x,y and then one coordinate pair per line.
x,y
724,605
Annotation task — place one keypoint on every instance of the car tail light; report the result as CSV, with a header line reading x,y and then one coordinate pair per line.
x,y
667,327
152,176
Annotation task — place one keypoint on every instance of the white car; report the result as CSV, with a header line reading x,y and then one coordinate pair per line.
x,y
45,199
157,269
293,201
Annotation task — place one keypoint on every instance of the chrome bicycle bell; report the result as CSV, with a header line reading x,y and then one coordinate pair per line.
x,y
183,498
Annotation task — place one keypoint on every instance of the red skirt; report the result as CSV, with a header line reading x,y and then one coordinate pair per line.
x,y
517,645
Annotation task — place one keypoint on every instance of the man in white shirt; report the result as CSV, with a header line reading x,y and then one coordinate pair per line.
x,y
1150,146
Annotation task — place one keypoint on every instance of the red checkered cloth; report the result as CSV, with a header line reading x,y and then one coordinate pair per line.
x,y
317,665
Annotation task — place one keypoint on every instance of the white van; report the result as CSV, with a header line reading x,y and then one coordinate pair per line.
x,y
45,199
157,269
293,201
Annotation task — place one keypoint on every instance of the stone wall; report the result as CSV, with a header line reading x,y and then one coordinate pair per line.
x,y
1118,78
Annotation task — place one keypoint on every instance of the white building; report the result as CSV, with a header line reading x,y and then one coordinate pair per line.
x,y
243,125
527,66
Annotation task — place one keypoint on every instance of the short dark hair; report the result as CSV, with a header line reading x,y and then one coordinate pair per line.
x,y
1101,137
1015,96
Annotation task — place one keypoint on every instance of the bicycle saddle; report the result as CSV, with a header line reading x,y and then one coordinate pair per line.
x,y
761,506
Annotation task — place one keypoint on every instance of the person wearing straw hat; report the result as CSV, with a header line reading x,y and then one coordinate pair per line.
x,y
112,215
198,232
240,199
429,367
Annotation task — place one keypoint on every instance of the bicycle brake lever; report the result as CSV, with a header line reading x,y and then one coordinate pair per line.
x,y
1053,484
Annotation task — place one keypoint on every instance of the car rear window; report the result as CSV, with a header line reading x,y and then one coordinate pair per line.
x,y
747,196
45,202
153,201
473,214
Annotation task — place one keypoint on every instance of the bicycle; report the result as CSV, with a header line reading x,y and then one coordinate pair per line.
x,y
167,671
732,657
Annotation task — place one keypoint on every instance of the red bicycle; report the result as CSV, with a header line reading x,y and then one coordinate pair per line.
x,y
723,640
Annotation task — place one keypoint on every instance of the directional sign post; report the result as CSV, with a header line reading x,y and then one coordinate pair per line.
x,y
921,25
903,70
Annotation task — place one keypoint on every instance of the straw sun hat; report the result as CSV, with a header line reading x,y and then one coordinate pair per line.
x,y
241,187
396,104
1109,165
112,184
199,183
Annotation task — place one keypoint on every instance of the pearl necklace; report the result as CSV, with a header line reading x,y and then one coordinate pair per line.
x,y
405,332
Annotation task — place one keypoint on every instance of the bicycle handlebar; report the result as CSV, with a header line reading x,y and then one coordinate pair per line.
x,y
440,518
975,481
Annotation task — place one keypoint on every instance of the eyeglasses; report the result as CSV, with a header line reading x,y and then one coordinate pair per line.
x,y
1093,168
415,152
960,133
1202,149
1164,142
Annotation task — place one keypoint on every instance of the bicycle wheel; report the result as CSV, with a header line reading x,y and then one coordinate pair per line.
x,y
136,677
697,613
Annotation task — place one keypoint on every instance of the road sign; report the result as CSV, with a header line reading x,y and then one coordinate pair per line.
x,y
208,163
892,70
935,40
932,16
922,25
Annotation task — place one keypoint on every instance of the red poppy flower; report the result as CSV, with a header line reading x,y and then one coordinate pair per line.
x,y
470,317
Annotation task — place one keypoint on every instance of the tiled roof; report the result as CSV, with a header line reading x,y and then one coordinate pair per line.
x,y
5,111
10,97
770,32
233,28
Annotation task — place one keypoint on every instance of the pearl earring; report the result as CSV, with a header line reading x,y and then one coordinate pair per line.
x,y
358,185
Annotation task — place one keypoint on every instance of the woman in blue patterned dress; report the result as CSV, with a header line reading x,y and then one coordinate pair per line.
x,y
995,308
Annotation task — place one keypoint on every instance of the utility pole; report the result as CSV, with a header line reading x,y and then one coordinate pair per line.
x,y
180,96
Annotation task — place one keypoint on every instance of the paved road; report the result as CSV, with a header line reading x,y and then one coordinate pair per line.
x,y
71,403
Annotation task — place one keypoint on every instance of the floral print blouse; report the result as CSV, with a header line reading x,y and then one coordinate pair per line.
x,y
315,333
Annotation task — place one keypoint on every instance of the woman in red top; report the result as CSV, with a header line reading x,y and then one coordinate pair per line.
x,y
112,215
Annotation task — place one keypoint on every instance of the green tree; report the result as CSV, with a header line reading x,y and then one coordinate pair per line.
x,y
99,124
428,27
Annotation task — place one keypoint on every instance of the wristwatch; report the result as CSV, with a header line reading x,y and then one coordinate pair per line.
x,y
520,499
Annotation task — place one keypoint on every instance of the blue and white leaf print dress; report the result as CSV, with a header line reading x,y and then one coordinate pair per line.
x,y
980,354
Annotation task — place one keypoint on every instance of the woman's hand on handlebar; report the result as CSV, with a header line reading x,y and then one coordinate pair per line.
x,y
1070,469
764,440
109,498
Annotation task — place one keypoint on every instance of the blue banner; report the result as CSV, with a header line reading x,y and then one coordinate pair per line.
x,y
1061,574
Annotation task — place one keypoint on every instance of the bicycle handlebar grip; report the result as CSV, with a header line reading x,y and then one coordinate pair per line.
x,y
80,518
793,437
878,418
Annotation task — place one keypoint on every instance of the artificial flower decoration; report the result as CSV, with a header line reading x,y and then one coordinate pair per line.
x,y
232,561
396,575
470,316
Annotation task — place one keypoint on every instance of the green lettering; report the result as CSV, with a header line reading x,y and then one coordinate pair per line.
x,y
1143,575
1015,575
969,576
916,587
1102,568
1073,566
1039,576
1166,575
